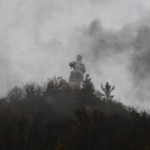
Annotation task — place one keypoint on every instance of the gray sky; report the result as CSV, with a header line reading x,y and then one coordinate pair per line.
x,y
38,38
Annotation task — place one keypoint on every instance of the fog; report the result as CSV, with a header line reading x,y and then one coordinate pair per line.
x,y
39,38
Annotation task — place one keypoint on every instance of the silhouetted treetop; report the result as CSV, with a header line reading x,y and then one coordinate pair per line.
x,y
107,90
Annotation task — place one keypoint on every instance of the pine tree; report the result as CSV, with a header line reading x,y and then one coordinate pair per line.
x,y
107,91
87,86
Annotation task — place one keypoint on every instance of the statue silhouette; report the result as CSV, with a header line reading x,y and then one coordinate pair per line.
x,y
77,73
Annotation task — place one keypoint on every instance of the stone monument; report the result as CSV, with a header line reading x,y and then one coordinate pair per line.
x,y
77,73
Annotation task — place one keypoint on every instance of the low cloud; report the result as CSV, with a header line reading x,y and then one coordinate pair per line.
x,y
110,51
38,39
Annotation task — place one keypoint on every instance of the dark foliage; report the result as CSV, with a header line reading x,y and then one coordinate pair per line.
x,y
55,117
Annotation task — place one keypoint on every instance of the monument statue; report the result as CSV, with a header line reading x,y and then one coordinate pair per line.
x,y
77,73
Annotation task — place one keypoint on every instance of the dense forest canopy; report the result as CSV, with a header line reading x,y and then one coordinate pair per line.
x,y
55,117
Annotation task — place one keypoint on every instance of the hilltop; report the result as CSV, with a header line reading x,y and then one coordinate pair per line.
x,y
56,117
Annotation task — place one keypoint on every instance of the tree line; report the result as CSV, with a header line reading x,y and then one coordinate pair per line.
x,y
55,117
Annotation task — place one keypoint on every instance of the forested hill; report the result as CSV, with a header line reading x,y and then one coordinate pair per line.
x,y
55,117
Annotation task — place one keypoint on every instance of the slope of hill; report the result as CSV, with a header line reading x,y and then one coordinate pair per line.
x,y
55,117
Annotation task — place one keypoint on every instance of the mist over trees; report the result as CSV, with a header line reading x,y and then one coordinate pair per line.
x,y
55,117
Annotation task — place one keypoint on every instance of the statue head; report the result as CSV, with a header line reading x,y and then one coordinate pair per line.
x,y
79,58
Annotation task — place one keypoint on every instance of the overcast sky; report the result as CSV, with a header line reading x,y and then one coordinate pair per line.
x,y
38,38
